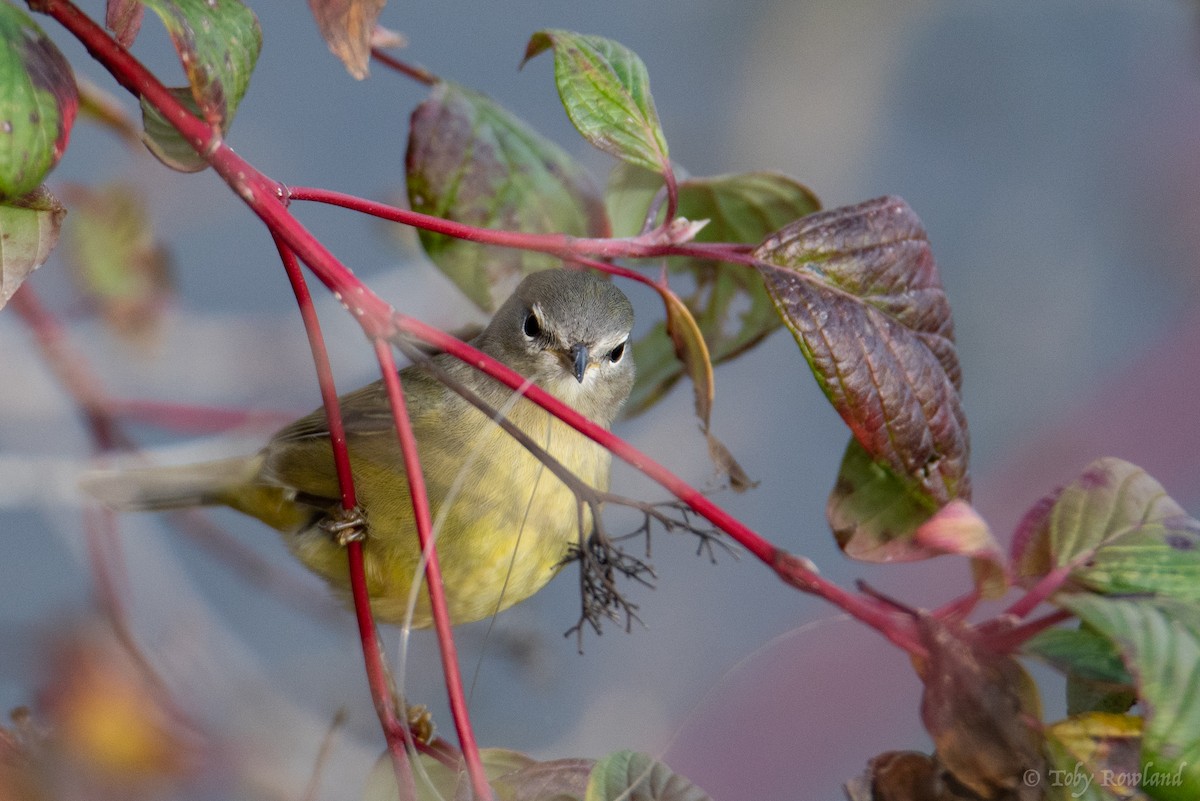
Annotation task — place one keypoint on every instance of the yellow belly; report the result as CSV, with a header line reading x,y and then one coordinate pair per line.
x,y
503,522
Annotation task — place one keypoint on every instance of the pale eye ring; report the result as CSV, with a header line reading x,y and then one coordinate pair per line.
x,y
531,327
616,353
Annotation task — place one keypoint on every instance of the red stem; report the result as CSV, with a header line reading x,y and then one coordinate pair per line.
x,y
381,691
433,573
1007,641
672,194
418,74
394,731
329,396
1047,585
654,244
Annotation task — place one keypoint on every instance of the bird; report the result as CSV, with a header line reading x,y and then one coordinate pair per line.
x,y
504,523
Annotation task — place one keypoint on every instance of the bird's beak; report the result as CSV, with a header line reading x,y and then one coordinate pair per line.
x,y
579,360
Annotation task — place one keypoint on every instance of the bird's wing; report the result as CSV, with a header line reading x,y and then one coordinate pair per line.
x,y
299,456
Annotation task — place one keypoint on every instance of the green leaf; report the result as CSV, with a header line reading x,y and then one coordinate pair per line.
x,y
631,776
729,301
628,195
163,140
605,90
218,42
1113,530
29,230
1092,756
471,161
115,260
874,513
38,101
1159,640
1082,652
860,291
512,775
1097,680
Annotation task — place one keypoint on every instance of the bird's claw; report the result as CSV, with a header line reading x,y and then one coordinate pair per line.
x,y
346,525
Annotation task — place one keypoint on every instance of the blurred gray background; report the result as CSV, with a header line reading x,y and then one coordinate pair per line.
x,y
1050,149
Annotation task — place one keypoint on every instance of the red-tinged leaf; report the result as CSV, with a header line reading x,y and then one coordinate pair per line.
x,y
347,27
115,260
218,42
38,101
472,161
1114,530
976,706
605,90
728,301
860,291
29,230
124,19
958,529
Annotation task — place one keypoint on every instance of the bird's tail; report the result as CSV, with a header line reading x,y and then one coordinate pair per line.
x,y
202,484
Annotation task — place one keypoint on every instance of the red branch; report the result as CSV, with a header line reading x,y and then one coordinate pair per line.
x,y
433,573
418,74
385,702
659,242
329,396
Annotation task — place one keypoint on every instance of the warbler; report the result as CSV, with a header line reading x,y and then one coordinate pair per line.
x,y
503,522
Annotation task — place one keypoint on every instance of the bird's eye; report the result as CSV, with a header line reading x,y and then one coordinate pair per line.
x,y
531,327
616,353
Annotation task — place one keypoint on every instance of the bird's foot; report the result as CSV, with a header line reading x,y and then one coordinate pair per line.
x,y
346,525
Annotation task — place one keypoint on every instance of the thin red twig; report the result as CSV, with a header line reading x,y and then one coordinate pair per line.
x,y
397,735
1046,586
672,194
377,674
329,396
433,575
1010,640
418,74
653,244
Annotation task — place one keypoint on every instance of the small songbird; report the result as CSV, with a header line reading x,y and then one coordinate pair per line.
x,y
504,523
